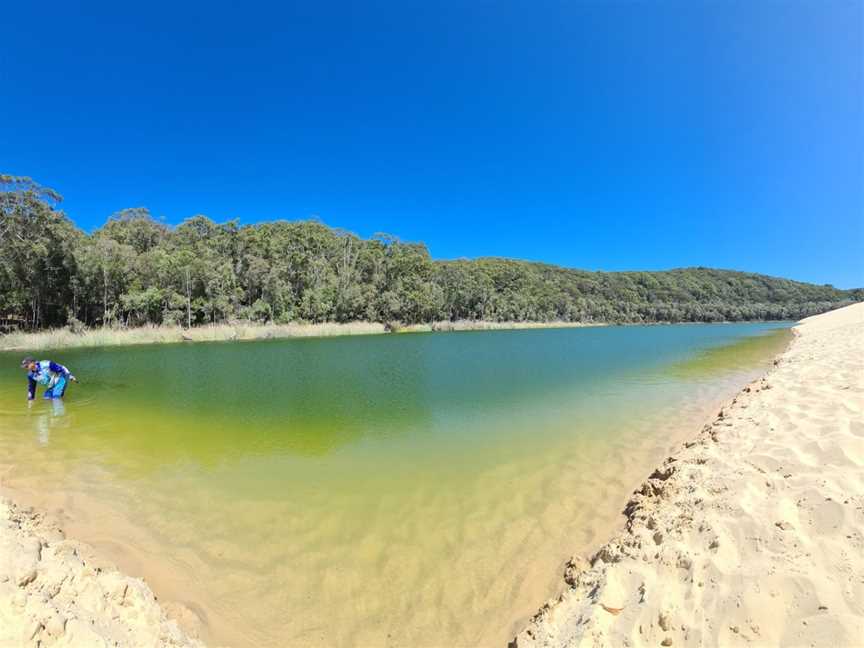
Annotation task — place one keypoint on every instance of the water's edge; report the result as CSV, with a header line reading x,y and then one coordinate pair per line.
x,y
603,539
60,339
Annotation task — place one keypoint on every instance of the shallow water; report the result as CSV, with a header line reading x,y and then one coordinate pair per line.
x,y
416,490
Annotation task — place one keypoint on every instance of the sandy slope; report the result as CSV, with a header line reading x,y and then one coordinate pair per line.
x,y
753,533
50,595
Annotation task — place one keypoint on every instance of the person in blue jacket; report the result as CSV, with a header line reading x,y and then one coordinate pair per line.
x,y
54,377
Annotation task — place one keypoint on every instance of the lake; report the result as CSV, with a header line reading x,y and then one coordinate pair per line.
x,y
404,490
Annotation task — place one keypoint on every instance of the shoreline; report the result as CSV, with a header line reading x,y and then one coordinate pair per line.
x,y
753,531
55,339
59,339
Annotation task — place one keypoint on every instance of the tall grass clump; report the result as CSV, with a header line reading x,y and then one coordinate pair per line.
x,y
63,338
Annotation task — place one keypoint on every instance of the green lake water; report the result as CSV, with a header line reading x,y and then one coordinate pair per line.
x,y
406,490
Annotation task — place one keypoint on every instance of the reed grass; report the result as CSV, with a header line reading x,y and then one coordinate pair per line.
x,y
483,325
63,338
97,337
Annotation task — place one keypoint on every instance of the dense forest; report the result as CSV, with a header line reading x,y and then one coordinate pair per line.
x,y
136,270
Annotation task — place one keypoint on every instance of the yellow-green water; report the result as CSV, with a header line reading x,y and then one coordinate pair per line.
x,y
410,490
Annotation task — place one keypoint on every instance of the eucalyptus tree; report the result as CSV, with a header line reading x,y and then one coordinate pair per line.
x,y
37,262
136,269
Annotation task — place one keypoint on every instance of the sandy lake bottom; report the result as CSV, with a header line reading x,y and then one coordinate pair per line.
x,y
405,490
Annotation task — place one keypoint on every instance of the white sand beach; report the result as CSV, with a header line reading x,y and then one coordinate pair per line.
x,y
753,533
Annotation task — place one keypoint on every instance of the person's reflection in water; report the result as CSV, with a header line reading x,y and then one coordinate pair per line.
x,y
47,420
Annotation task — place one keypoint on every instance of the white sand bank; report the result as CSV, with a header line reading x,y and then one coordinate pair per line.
x,y
50,595
753,533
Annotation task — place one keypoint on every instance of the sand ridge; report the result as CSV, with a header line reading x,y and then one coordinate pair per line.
x,y
753,533
52,595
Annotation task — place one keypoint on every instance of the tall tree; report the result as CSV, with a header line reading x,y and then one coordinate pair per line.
x,y
137,270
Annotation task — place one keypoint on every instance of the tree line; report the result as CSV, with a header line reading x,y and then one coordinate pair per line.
x,y
135,270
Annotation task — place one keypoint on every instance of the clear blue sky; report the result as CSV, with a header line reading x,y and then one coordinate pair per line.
x,y
600,135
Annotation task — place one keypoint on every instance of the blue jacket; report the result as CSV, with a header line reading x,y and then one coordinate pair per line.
x,y
47,373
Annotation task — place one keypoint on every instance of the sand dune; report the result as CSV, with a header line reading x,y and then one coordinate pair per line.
x,y
752,534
